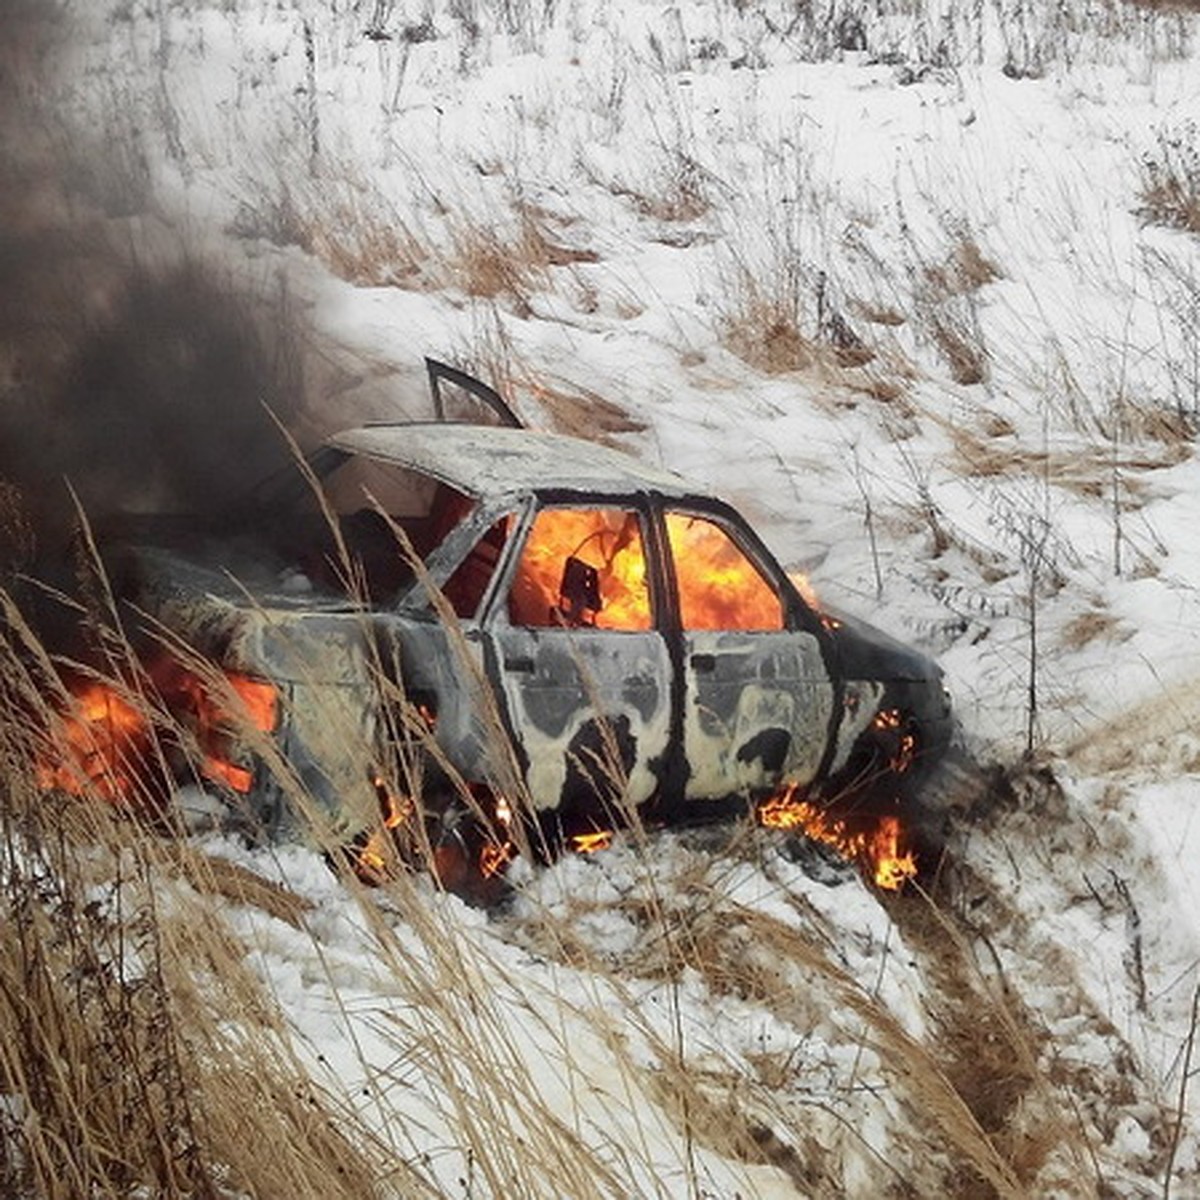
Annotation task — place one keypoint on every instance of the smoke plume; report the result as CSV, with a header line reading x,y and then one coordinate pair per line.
x,y
139,375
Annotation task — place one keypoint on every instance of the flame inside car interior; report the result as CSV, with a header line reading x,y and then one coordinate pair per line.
x,y
719,587
582,567
588,567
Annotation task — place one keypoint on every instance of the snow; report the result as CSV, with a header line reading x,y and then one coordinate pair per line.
x,y
701,151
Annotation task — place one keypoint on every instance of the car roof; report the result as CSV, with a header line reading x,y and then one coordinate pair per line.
x,y
493,461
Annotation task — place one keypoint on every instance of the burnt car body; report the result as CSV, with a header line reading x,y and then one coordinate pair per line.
x,y
456,617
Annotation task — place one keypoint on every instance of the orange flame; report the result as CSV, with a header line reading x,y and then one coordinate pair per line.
x,y
804,586
394,809
891,720
608,540
106,742
215,721
104,739
494,858
589,843
719,587
878,849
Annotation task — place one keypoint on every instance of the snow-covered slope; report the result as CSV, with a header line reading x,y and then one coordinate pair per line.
x,y
902,284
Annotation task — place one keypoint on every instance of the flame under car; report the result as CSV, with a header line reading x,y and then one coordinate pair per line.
x,y
490,638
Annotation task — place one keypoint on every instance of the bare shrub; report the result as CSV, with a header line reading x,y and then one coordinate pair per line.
x,y
679,193
1170,191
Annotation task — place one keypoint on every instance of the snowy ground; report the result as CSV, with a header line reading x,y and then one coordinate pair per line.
x,y
889,289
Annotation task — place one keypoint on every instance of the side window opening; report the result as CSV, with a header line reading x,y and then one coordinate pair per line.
x,y
720,587
582,567
466,587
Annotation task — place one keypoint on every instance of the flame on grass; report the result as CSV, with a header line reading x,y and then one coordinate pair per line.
x,y
590,843
878,849
498,851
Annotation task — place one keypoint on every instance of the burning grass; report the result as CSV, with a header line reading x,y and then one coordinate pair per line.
x,y
876,843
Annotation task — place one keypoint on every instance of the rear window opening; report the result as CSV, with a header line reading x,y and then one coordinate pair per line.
x,y
376,507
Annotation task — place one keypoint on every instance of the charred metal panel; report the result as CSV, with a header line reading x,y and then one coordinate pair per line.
x,y
865,652
558,682
319,658
446,666
757,709
861,701
329,741
494,461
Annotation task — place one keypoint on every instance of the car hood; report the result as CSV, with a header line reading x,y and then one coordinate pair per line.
x,y
865,652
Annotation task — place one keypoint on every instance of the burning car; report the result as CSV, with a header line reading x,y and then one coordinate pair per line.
x,y
466,638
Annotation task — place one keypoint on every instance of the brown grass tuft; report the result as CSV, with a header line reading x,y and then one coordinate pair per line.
x,y
1088,627
584,414
340,218
960,349
766,335
965,270
490,265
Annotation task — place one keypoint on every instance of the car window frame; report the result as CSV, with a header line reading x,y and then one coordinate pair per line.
x,y
454,550
797,613
496,609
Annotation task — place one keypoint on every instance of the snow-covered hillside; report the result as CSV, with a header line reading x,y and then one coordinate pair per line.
x,y
917,286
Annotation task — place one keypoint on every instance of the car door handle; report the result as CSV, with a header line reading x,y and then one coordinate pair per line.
x,y
523,666
704,662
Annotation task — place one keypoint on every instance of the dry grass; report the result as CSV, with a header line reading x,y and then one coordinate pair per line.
x,y
960,348
767,328
965,269
584,414
136,1049
179,1067
1086,470
340,218
945,299
765,332
987,1118
1090,626
488,263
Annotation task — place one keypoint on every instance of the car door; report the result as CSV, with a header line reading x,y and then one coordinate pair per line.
x,y
757,694
582,665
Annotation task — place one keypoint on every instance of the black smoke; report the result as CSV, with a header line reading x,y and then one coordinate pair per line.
x,y
140,375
